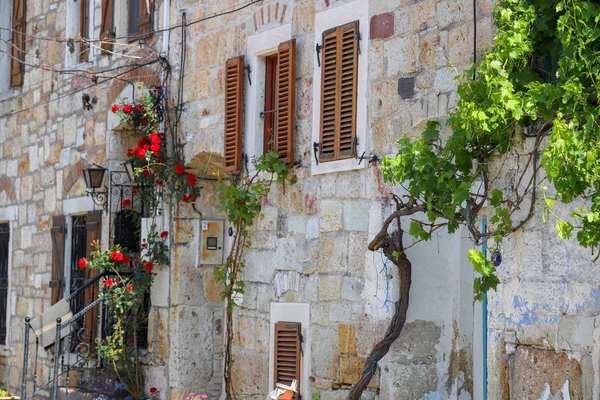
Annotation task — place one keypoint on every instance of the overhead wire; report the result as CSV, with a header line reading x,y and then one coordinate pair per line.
x,y
139,36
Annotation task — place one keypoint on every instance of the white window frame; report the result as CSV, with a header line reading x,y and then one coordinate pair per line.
x,y
332,18
258,47
9,214
291,312
72,30
5,48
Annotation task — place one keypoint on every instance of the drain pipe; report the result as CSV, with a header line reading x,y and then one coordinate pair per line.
x,y
484,323
166,23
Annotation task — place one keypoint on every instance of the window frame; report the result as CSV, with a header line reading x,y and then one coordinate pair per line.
x,y
6,20
327,20
149,22
258,48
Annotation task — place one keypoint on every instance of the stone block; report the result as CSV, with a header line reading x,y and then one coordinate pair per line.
x,y
575,333
356,216
411,381
351,368
329,287
296,224
324,343
331,215
212,287
400,56
184,231
260,266
460,46
267,220
535,369
352,289
250,372
422,15
285,255
417,343
382,26
347,339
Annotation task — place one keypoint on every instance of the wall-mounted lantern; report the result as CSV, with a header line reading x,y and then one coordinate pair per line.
x,y
94,176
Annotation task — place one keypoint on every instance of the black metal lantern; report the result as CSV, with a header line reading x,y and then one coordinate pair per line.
x,y
94,175
129,170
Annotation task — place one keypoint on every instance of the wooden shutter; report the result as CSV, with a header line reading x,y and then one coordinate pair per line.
x,y
144,21
234,106
288,353
107,27
339,73
18,40
84,48
93,225
286,100
58,257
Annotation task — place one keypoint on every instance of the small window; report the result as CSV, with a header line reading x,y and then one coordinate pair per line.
x,y
85,19
140,17
107,27
288,353
4,259
18,44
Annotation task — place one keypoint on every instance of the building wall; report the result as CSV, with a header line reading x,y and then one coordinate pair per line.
x,y
309,243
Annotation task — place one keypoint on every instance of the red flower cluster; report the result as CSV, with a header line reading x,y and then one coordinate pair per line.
x,y
114,108
125,203
108,282
117,256
153,389
148,265
128,288
127,109
82,263
164,234
179,169
191,179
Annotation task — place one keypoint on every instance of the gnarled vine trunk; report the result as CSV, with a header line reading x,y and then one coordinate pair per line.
x,y
391,245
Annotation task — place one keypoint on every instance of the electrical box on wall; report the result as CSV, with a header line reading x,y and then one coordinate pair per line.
x,y
211,242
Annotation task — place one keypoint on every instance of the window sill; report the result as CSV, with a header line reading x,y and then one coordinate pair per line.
x,y
328,167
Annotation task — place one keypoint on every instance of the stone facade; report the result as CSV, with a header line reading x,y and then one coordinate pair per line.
x,y
309,243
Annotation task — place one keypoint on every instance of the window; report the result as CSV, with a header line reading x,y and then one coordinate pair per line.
x,y
268,114
85,10
140,17
289,352
4,263
107,27
338,93
340,88
18,44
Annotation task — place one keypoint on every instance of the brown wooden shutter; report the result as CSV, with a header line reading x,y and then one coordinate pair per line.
x,y
288,353
93,225
339,74
58,257
107,27
234,106
286,100
144,21
83,31
18,39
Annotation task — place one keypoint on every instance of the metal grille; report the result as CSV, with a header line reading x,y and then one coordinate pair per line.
x,y
4,241
78,250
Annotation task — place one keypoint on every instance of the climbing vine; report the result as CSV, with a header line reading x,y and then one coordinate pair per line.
x,y
242,199
536,88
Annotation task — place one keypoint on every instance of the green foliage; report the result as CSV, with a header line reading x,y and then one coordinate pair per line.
x,y
518,85
242,200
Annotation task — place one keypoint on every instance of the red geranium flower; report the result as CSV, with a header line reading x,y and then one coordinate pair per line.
x,y
144,121
154,138
191,179
126,260
141,153
125,203
148,266
153,389
134,190
114,108
164,234
141,142
186,197
159,182
129,152
82,263
127,109
146,172
155,148
128,288
108,282
144,245
116,255
179,170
